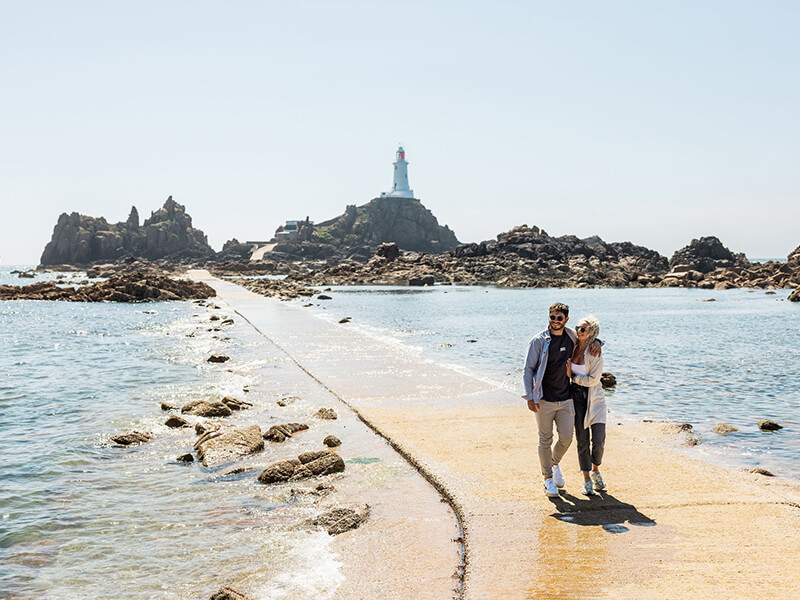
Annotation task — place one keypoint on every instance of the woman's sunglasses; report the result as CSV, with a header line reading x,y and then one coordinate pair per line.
x,y
580,328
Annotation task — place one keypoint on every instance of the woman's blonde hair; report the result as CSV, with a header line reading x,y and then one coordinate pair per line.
x,y
593,329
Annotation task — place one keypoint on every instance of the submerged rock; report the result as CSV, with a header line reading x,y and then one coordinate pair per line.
x,y
218,358
760,471
326,413
185,458
222,445
723,428
795,296
228,593
767,425
287,400
309,464
168,406
339,520
132,438
322,489
279,433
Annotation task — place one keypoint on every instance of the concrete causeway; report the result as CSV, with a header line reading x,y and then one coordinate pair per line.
x,y
670,526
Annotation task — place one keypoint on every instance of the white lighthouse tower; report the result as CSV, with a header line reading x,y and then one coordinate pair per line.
x,y
400,187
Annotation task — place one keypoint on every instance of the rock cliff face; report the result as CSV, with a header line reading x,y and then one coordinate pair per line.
x,y
356,233
78,239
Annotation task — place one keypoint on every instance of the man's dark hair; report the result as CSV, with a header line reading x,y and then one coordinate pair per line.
x,y
560,307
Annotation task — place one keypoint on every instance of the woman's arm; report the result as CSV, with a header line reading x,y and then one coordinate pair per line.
x,y
594,369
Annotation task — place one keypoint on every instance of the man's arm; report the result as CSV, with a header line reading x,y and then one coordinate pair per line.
x,y
529,373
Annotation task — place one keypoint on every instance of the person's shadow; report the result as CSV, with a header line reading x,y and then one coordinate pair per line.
x,y
604,510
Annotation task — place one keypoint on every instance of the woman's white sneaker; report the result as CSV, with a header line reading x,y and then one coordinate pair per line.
x,y
599,484
558,476
587,488
550,488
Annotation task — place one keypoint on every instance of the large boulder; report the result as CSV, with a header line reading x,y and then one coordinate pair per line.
x,y
227,444
280,433
309,464
795,296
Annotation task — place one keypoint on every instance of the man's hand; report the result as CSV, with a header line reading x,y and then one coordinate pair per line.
x,y
534,406
596,349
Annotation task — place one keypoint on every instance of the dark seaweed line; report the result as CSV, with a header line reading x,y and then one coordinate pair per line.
x,y
461,570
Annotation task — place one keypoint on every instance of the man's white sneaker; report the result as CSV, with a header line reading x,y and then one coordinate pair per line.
x,y
550,488
558,476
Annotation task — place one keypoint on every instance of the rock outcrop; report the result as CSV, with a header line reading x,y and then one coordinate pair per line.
x,y
361,229
132,438
523,257
137,287
79,239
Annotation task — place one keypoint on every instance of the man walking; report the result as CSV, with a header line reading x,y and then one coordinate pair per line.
x,y
548,394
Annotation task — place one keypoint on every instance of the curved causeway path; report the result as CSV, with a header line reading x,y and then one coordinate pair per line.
x,y
670,526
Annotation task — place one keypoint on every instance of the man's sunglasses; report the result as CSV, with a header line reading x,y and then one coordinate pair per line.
x,y
556,318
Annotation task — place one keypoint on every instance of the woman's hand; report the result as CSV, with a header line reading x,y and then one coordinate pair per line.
x,y
569,368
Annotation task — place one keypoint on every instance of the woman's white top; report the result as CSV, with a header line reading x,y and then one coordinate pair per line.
x,y
578,369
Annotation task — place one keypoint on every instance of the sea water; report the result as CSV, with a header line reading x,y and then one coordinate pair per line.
x,y
676,355
81,518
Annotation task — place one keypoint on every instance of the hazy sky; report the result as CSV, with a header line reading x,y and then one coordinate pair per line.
x,y
641,121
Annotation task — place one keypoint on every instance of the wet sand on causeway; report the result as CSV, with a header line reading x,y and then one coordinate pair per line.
x,y
669,526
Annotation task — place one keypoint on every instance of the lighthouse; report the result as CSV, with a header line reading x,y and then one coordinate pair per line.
x,y
400,187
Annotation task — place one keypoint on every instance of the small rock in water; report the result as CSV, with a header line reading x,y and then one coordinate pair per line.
x,y
345,320
326,413
279,433
692,439
324,297
332,441
706,299
185,458
235,404
323,489
608,380
723,428
472,341
131,438
175,421
767,425
168,406
227,321
214,318
770,292
287,400
218,358
204,408
228,593
685,426
760,471
445,345
795,296
339,520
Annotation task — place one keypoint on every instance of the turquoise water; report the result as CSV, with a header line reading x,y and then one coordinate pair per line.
x,y
675,358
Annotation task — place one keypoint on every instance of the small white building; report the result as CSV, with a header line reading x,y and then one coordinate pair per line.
x,y
400,187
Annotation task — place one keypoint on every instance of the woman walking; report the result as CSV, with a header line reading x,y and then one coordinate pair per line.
x,y
590,405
